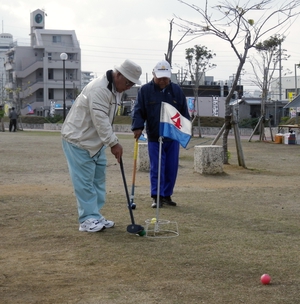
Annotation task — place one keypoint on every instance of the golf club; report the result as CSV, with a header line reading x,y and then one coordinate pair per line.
x,y
133,228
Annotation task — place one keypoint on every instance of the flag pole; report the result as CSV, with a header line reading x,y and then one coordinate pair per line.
x,y
158,179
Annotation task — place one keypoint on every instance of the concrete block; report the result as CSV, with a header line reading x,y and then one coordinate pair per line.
x,y
208,159
143,162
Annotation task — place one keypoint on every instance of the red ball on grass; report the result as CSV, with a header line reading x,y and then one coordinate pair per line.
x,y
265,279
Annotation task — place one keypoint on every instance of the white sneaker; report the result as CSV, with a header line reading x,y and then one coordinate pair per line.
x,y
91,225
106,223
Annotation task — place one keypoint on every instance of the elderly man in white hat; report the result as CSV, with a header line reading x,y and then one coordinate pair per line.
x,y
86,133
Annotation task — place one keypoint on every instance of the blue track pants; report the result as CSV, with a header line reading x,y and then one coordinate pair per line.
x,y
169,166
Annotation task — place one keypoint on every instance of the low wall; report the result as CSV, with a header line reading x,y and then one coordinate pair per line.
x,y
127,129
26,126
204,130
54,126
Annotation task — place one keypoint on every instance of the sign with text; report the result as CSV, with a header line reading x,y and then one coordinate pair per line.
x,y
215,106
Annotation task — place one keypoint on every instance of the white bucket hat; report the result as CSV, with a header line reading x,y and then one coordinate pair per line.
x,y
162,69
130,70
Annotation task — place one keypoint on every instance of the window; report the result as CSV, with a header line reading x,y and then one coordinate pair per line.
x,y
50,93
50,73
56,39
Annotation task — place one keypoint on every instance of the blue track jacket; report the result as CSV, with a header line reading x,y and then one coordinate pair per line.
x,y
147,107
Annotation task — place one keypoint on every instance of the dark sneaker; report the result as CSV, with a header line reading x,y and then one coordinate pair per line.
x,y
154,204
168,201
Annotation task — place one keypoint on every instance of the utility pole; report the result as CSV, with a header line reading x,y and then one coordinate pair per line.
x,y
297,65
280,80
168,56
171,47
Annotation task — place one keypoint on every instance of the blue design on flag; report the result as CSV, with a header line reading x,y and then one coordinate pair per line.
x,y
173,125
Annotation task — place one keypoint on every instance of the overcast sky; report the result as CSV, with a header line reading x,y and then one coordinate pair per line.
x,y
110,31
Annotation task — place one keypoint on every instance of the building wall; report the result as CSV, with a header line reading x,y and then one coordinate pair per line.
x,y
37,70
204,106
86,77
6,40
288,86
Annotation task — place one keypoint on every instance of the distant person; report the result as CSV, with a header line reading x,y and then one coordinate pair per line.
x,y
87,132
13,116
2,112
147,109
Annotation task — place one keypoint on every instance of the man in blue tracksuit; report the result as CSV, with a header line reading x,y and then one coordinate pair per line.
x,y
147,109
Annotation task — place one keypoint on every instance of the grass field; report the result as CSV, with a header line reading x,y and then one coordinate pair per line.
x,y
233,227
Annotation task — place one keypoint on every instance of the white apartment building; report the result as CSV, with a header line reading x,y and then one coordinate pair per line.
x,y
6,42
86,77
35,73
289,85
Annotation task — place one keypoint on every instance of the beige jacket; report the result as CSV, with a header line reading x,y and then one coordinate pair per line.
x,y
88,125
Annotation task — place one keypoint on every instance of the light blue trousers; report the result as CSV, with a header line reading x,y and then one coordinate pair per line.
x,y
88,176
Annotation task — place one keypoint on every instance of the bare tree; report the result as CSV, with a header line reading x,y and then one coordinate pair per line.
x,y
237,27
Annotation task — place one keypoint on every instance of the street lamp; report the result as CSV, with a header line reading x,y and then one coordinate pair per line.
x,y
64,57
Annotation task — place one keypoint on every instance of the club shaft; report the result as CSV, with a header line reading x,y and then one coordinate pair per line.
x,y
126,191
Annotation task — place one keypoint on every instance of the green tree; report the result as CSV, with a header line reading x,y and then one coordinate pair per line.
x,y
198,62
264,67
14,94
